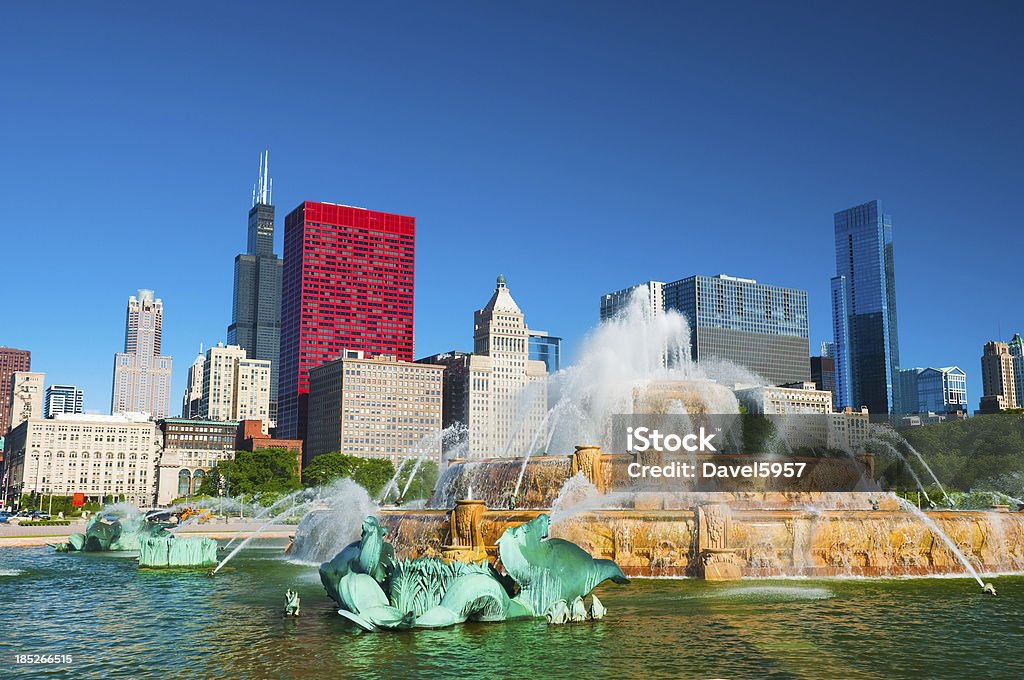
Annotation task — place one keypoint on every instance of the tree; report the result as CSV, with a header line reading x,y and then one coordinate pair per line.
x,y
370,473
251,472
422,483
373,474
328,467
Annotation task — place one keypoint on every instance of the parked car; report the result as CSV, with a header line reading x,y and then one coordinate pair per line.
x,y
41,514
4,516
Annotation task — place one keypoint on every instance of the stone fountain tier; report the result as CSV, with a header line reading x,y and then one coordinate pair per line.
x,y
494,481
712,540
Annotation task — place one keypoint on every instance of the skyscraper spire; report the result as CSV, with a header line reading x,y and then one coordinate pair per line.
x,y
262,191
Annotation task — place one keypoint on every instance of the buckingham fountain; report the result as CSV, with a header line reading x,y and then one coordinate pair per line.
x,y
834,522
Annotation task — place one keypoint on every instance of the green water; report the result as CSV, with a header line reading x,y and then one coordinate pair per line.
x,y
118,622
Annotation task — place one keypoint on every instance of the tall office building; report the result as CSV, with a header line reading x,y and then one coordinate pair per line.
x,y
454,389
1016,347
546,348
26,396
503,397
347,285
933,390
193,387
759,327
11,360
62,399
375,407
256,303
997,380
864,311
653,293
142,376
235,388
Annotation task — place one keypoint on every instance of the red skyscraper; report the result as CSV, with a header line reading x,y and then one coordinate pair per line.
x,y
347,284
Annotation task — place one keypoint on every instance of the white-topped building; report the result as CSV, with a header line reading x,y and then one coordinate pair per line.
x,y
142,376
506,395
193,388
98,456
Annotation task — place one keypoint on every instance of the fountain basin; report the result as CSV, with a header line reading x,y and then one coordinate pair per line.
x,y
762,542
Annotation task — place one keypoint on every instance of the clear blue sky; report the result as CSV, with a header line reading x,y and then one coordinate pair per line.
x,y
576,148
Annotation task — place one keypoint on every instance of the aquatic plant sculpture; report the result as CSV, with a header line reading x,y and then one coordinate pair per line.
x,y
545,576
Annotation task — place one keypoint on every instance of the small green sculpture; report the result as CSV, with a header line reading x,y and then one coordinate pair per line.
x,y
368,555
104,533
291,603
550,569
374,591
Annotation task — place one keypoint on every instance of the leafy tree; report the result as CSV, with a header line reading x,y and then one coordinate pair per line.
x,y
422,484
370,473
252,472
373,474
328,467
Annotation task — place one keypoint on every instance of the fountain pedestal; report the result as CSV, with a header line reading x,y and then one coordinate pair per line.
x,y
720,564
587,459
467,539
715,560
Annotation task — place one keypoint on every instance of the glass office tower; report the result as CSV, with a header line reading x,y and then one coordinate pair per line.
x,y
761,328
864,311
546,348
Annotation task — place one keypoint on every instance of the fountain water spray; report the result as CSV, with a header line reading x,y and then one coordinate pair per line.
x,y
937,531
334,520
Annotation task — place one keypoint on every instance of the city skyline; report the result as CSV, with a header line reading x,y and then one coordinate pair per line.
x,y
763,169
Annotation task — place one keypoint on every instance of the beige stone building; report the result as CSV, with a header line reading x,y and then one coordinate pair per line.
x,y
142,376
375,407
191,448
26,396
807,416
506,395
99,456
235,387
997,379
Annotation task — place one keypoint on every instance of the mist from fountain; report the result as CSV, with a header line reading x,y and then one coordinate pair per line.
x,y
427,445
578,495
273,520
623,355
443,439
334,520
289,497
620,357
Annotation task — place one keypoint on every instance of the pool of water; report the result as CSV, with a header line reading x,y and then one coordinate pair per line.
x,y
117,621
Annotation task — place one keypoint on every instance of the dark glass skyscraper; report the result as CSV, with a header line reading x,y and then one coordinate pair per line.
x,y
256,306
864,311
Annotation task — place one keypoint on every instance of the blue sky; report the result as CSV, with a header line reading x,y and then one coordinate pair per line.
x,y
576,148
